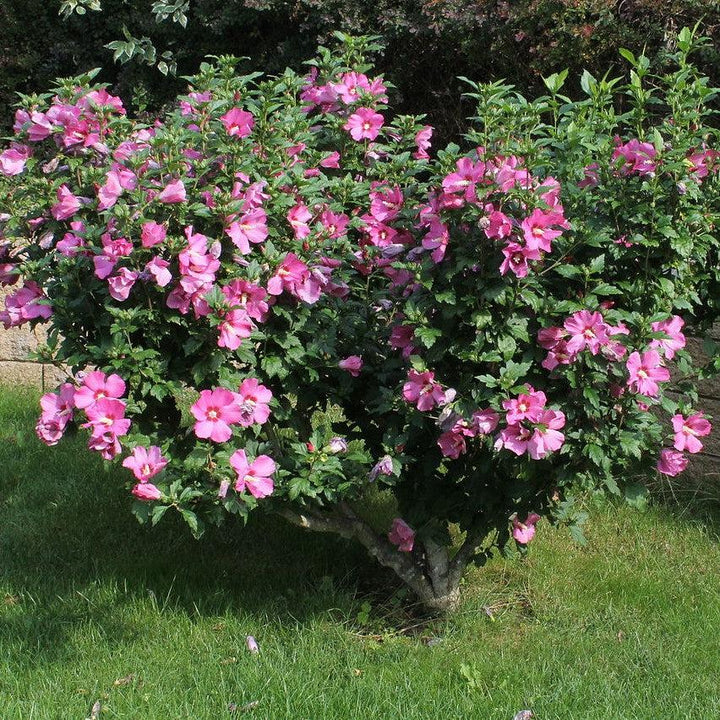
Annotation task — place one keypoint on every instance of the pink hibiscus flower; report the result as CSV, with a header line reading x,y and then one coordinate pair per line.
x,y
671,462
215,411
146,492
364,124
524,532
107,417
236,325
145,462
527,406
152,233
675,340
67,205
173,193
452,444
299,217
250,228
252,398
353,364
422,389
238,123
538,229
484,421
587,330
402,535
646,371
517,258
96,386
687,430
546,437
254,476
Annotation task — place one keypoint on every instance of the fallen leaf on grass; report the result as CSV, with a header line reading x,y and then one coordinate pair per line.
x,y
432,640
228,661
121,682
10,600
95,711
234,708
357,672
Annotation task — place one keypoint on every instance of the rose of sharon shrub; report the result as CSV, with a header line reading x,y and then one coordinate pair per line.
x,y
278,296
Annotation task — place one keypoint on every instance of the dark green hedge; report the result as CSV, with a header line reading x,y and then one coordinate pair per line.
x,y
429,42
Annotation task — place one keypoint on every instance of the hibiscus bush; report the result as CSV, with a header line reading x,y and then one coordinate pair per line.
x,y
280,296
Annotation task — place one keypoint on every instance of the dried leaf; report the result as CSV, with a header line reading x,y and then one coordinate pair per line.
x,y
228,660
121,682
234,708
95,711
432,641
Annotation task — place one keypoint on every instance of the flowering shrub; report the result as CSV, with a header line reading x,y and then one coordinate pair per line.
x,y
276,297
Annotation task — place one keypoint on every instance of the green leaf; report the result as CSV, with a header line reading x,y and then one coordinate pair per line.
x,y
597,264
427,335
604,288
577,534
627,55
592,396
196,526
507,346
569,271
636,496
611,485
157,513
555,81
273,367
418,364
588,83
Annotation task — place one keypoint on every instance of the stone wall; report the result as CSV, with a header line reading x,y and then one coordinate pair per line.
x,y
15,368
703,475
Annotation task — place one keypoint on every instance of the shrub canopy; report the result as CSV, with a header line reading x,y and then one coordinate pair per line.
x,y
280,296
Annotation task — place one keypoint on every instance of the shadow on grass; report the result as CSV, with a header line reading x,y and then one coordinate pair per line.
x,y
72,554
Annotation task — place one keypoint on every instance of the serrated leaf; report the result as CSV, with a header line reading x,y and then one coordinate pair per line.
x,y
273,367
507,346
427,335
597,264
606,289
568,271
157,513
577,534
193,521
611,485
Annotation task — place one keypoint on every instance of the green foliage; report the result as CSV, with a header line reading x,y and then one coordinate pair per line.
x,y
482,334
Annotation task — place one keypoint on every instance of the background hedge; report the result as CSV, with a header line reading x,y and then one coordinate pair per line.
x,y
429,42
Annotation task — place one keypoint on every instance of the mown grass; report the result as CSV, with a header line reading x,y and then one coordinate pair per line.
x,y
153,624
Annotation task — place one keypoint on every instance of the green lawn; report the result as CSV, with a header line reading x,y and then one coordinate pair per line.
x,y
153,624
